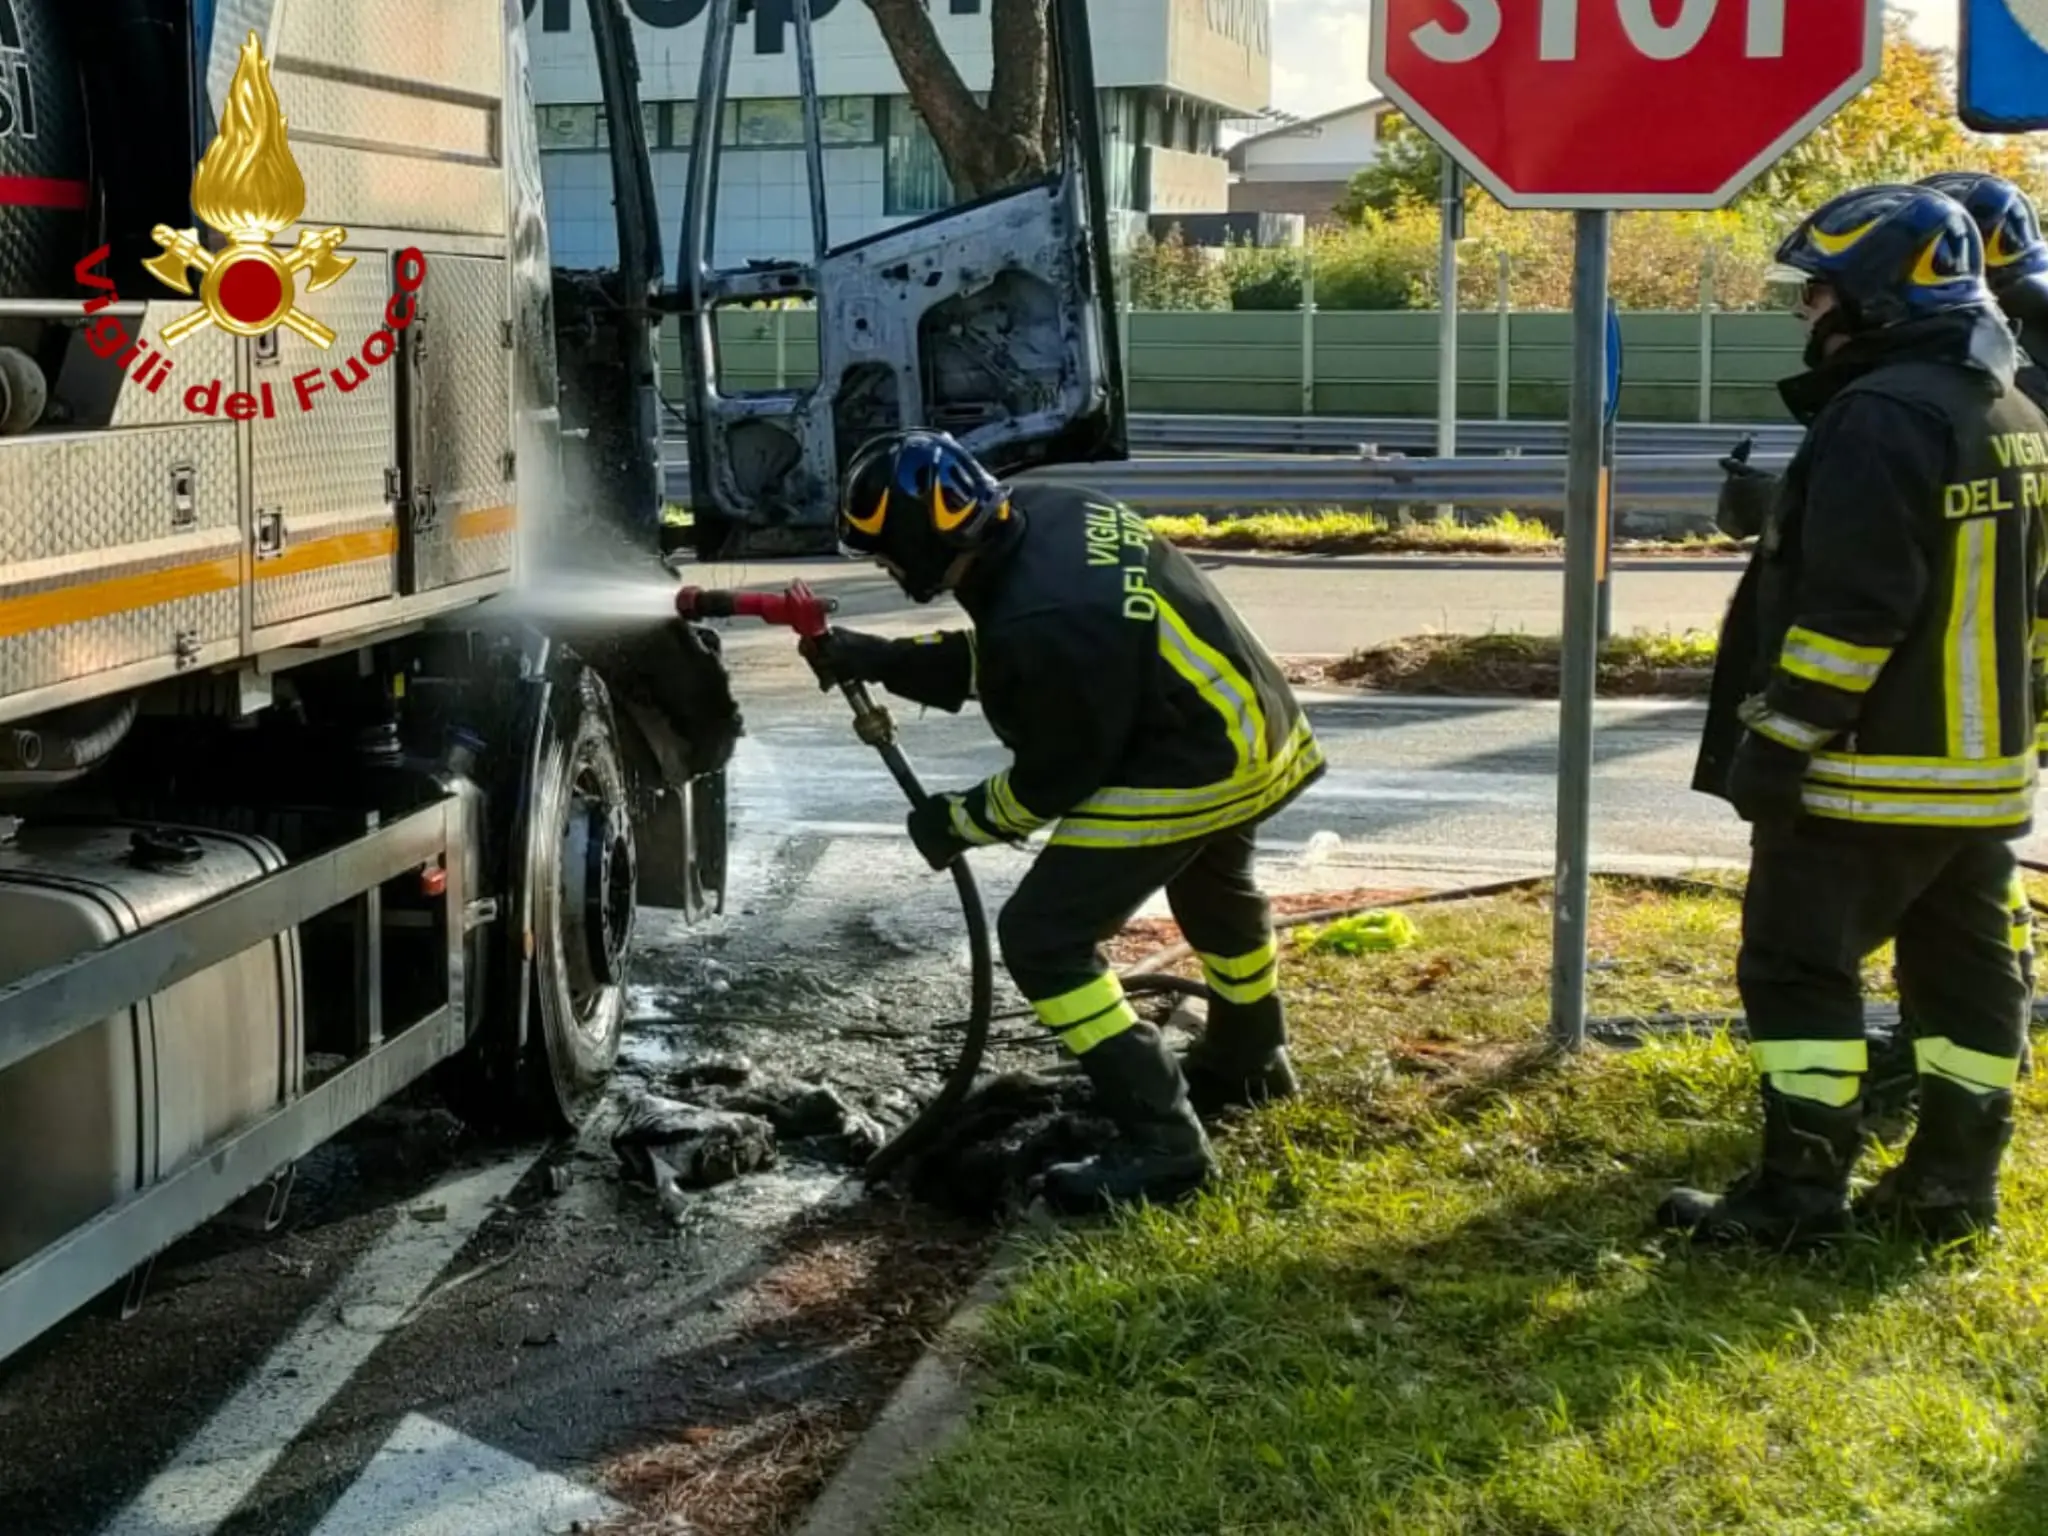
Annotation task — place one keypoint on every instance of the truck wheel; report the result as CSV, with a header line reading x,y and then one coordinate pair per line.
x,y
565,928
581,880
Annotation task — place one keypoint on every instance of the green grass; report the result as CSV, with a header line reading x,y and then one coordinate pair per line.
x,y
1427,1300
1340,533
1527,665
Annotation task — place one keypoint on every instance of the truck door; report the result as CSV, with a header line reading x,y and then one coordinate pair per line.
x,y
989,317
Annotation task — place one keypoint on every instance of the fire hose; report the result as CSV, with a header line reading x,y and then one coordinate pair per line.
x,y
801,610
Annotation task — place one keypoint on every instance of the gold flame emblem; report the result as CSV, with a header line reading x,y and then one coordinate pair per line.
x,y
249,191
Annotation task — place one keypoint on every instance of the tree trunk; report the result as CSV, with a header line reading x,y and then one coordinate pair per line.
x,y
985,148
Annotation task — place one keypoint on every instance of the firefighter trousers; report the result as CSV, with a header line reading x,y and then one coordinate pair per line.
x,y
1820,901
1073,899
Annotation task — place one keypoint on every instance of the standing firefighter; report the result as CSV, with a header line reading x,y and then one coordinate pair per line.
x,y
2016,271
1149,729
1880,734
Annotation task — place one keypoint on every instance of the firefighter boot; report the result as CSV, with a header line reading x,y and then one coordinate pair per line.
x,y
1240,1059
1946,1186
1797,1195
1161,1152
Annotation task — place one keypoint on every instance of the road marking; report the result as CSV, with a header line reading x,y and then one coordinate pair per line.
x,y
429,1480
221,1465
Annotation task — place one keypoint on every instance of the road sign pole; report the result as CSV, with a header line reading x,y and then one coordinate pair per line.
x,y
1577,675
1450,230
1610,407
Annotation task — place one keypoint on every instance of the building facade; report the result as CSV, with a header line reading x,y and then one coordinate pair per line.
x,y
1305,167
1169,73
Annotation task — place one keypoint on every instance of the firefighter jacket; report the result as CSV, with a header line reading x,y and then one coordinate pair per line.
x,y
1137,706
1890,621
2033,376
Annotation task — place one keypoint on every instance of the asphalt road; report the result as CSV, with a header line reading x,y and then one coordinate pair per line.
x,y
448,1339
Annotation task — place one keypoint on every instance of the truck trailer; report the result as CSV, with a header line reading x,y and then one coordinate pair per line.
x,y
293,814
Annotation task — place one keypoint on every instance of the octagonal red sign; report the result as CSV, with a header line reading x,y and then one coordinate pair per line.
x,y
1622,103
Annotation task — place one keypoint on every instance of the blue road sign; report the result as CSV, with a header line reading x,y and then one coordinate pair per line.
x,y
1613,363
2002,76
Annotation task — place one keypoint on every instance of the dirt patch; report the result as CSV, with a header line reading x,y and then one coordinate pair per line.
x,y
872,1285
1514,666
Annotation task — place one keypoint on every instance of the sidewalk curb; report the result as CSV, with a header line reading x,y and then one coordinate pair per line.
x,y
925,1414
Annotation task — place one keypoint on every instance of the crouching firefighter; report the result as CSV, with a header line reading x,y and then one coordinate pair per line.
x,y
1148,728
1878,726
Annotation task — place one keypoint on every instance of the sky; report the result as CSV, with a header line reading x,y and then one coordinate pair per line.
x,y
1319,49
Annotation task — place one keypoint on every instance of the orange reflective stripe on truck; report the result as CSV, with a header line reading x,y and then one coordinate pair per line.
x,y
84,601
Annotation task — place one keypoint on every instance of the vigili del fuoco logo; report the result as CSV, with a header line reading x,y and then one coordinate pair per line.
x,y
248,192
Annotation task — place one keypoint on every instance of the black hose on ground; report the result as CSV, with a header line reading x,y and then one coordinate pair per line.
x,y
924,1126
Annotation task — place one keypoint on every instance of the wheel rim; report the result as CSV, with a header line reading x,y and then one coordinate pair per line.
x,y
595,876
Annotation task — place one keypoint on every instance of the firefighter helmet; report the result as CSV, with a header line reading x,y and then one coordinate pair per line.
x,y
1890,254
2015,254
917,500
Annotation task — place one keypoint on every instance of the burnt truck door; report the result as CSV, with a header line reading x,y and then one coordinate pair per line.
x,y
992,319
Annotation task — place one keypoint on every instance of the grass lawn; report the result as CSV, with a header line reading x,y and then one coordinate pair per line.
x,y
1427,1299
1665,665
1365,533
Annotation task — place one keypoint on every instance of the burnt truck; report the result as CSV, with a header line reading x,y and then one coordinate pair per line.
x,y
293,816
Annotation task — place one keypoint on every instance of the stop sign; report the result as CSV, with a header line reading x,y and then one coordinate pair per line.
x,y
1622,103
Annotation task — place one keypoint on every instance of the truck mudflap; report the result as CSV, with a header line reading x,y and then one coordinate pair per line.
x,y
678,723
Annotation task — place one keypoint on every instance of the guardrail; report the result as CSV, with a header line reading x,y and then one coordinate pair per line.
x,y
1678,482
1509,476
1410,434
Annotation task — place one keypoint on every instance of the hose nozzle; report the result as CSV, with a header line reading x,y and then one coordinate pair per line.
x,y
797,607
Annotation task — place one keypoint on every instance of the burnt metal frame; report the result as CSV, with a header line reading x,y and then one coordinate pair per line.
x,y
49,1007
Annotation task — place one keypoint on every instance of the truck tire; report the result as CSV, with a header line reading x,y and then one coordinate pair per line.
x,y
564,928
581,883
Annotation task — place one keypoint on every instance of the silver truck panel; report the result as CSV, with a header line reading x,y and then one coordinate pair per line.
x,y
102,570
461,454
394,111
323,470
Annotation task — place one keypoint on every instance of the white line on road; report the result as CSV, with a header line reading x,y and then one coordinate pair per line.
x,y
221,1465
430,1481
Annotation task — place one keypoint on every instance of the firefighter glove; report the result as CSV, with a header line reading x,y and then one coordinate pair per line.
x,y
847,656
1764,780
1746,496
931,830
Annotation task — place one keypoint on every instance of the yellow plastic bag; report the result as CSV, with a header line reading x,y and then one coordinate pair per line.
x,y
1365,933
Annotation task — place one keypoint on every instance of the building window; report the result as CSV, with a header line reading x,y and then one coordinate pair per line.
x,y
914,178
568,127
651,114
778,123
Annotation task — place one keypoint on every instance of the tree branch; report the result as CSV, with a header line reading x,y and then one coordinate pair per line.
x,y
982,150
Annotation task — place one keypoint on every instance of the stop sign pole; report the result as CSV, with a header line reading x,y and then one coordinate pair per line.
x,y
1597,106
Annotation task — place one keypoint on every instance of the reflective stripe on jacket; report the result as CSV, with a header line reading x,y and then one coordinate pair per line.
x,y
1898,588
1138,706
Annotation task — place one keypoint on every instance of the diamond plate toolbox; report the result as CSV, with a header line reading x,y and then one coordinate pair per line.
x,y
118,548
326,534
468,415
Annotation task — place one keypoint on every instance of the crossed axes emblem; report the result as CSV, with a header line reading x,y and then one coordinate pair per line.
x,y
274,290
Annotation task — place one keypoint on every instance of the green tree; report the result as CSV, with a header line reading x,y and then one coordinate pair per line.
x,y
1902,127
1406,173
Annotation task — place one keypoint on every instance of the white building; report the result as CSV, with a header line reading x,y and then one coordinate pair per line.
x,y
1169,73
1305,166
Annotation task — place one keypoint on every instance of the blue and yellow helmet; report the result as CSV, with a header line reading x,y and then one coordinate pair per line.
x,y
1891,254
2014,250
919,500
